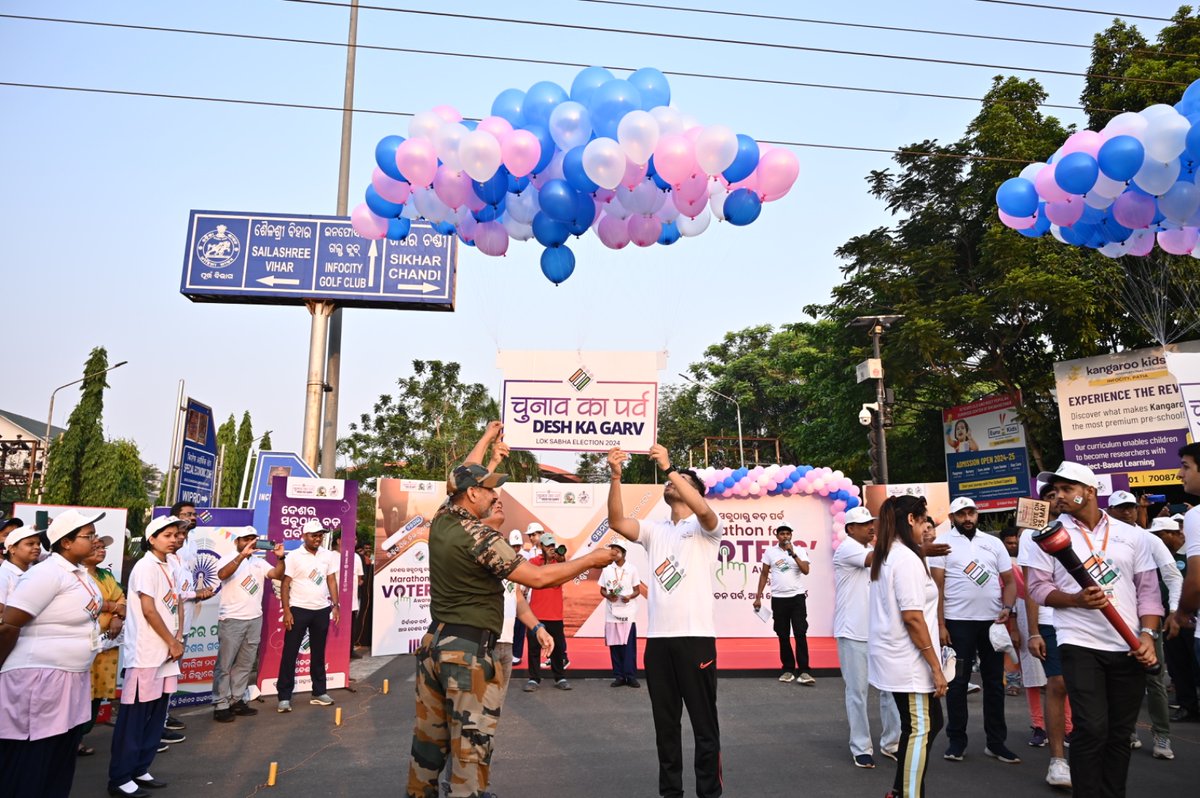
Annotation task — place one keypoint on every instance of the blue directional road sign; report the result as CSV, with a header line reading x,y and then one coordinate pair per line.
x,y
271,259
267,466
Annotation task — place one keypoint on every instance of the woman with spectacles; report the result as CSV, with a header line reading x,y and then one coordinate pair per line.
x,y
48,637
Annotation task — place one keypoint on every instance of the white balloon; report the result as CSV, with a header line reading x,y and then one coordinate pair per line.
x,y
716,187
445,142
716,147
524,206
1057,233
716,204
1126,124
694,227
424,125
430,205
1107,187
688,121
617,208
1030,172
1166,136
604,162
637,134
670,121
570,125
667,213
517,231
1157,177
1113,249
1155,111
1099,201
480,154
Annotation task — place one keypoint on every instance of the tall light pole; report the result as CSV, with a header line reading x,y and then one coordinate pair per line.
x,y
50,421
737,407
876,325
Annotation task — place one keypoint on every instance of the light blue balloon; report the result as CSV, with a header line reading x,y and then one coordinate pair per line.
x,y
1017,197
586,83
1076,173
508,104
610,103
1121,157
541,99
652,86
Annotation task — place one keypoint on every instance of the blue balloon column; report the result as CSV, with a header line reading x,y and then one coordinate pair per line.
x,y
611,155
1120,190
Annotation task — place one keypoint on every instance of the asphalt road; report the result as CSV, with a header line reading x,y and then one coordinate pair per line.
x,y
778,740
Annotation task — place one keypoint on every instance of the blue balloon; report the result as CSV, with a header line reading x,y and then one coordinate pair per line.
x,y
542,133
610,103
745,162
852,502
718,488
558,263
507,105
585,214
490,213
469,124
1017,197
494,188
549,232
742,207
381,207
465,241
652,87
557,200
1091,215
385,156
1076,173
517,184
586,83
730,482
541,99
1121,157
398,229
445,228
669,235
574,172
653,173
1192,142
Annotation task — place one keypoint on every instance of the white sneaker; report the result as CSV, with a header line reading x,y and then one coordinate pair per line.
x,y
1162,748
788,676
804,678
1059,774
973,688
1135,742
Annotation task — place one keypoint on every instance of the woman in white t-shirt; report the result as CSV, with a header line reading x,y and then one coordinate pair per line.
x,y
902,658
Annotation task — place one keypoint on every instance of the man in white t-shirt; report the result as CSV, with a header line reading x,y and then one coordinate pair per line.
x,y
976,590
1105,681
310,603
620,587
239,623
787,567
851,628
681,642
1189,600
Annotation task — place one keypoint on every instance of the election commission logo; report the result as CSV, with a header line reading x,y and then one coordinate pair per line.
x,y
218,248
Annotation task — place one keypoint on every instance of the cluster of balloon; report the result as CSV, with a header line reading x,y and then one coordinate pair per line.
x,y
784,480
612,156
1119,190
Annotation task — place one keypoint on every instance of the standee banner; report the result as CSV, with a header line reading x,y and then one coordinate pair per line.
x,y
1123,416
198,456
577,515
986,458
112,525
936,495
580,401
1185,368
295,501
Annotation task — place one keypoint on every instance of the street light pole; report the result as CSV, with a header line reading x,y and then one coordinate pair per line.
x,y
50,421
877,325
736,406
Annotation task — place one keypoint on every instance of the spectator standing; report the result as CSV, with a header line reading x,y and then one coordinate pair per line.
x,y
620,586
22,549
547,605
787,566
310,604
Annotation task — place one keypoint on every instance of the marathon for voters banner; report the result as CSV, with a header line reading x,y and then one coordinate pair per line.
x,y
198,456
112,525
1122,415
214,537
577,515
580,401
986,458
295,501
1185,368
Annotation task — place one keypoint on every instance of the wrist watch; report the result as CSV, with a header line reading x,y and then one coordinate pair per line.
x,y
1152,632
669,469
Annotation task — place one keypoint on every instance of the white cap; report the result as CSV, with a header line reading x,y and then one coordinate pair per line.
x,y
158,525
962,503
1177,517
1164,525
515,538
312,526
20,533
859,515
534,529
1120,497
1071,472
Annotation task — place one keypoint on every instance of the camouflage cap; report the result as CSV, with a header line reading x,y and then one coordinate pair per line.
x,y
473,476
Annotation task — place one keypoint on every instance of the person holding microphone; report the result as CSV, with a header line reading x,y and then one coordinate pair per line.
x,y
902,654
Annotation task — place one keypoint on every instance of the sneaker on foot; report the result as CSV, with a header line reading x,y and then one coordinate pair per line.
x,y
171,737
284,706
1059,774
1038,739
563,684
242,708
889,754
175,724
530,686
973,688
787,676
516,661
805,679
223,715
1162,747
322,700
864,761
163,748
954,753
1002,753
1135,742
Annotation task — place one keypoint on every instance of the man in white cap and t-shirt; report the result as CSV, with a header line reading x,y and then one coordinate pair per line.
x,y
1123,506
977,590
787,567
1105,682
851,628
310,603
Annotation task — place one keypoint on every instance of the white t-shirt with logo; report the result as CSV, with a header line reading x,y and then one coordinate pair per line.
x,y
681,558
893,661
623,579
973,568
64,603
1112,555
852,586
1024,547
786,578
143,647
309,589
242,592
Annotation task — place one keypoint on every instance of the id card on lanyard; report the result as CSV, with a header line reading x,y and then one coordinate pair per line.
x,y
92,608
1098,564
171,598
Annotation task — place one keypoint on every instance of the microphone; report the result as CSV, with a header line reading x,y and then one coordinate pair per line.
x,y
1055,540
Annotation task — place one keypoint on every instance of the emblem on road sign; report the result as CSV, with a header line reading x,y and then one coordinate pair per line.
x,y
218,248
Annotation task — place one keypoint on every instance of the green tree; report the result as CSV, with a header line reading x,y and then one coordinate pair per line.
x,y
79,452
265,443
119,481
231,480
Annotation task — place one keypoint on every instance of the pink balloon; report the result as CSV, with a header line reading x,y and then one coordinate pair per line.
x,y
1178,242
693,133
474,203
1046,186
603,196
1065,213
853,490
1133,210
1088,141
452,188
840,518
690,208
694,187
1140,243
614,234
1017,222
391,190
635,174
520,151
750,183
417,160
366,223
675,159
491,239
777,173
498,126
644,230
467,228
448,112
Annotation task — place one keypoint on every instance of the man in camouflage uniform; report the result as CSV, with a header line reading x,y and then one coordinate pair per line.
x,y
459,688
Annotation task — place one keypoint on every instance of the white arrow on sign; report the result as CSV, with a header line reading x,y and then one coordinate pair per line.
x,y
372,253
424,288
273,281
